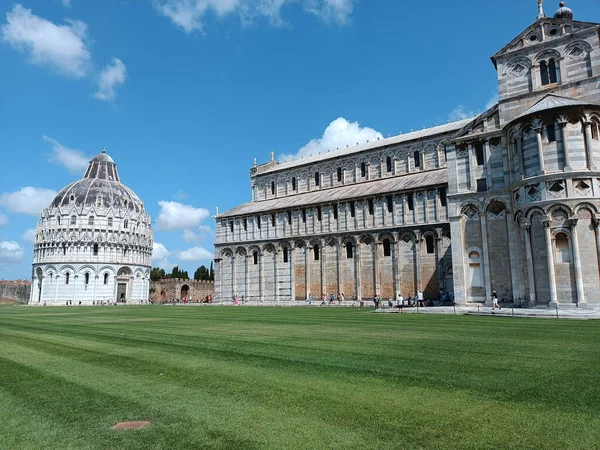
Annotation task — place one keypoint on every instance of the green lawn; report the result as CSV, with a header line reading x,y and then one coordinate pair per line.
x,y
282,378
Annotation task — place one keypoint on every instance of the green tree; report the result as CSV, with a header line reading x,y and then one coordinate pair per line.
x,y
212,273
157,274
201,273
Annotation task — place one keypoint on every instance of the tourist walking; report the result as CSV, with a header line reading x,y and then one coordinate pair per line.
x,y
495,300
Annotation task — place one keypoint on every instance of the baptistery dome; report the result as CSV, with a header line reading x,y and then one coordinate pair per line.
x,y
93,243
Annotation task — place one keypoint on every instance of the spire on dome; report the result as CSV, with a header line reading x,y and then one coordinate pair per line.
x,y
563,12
541,14
104,149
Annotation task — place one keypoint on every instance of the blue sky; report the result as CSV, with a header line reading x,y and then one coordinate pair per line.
x,y
184,94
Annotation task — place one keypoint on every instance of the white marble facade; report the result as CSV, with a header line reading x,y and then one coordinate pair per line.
x,y
508,201
93,243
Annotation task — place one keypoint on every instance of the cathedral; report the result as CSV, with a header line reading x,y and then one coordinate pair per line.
x,y
505,202
93,243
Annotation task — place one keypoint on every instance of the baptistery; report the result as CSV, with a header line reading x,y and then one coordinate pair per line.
x,y
93,243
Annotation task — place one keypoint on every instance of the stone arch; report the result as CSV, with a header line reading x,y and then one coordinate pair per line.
x,y
407,236
547,54
226,252
589,206
66,268
519,66
50,269
384,235
496,206
87,268
240,251
534,211
551,210
366,239
470,210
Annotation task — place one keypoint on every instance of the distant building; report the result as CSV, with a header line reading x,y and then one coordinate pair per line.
x,y
93,243
506,201
167,289
18,291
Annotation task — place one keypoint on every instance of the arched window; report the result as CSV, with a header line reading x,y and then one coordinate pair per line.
x,y
317,179
429,244
293,183
95,249
595,126
285,254
339,174
563,252
67,277
549,71
110,221
316,252
126,224
87,278
255,258
349,250
272,188
475,278
387,247
388,164
417,158
91,220
73,220
64,249
105,278
363,169
551,132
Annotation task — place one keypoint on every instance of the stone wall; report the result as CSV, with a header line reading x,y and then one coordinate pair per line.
x,y
17,291
170,288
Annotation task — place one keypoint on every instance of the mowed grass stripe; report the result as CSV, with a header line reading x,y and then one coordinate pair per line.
x,y
313,378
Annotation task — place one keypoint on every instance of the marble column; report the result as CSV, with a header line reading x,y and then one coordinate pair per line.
x,y
526,227
322,246
520,156
233,280
246,277
566,150
339,267
55,288
357,271
550,262
486,259
395,276
418,261
307,271
439,241
75,277
581,301
540,146
470,160
376,263
261,281
589,153
275,274
513,256
292,274
596,222
95,286
488,164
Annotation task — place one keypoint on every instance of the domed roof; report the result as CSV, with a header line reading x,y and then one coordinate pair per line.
x,y
563,12
100,186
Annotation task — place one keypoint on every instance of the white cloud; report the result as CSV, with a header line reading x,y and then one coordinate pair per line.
x,y
460,112
339,134
160,256
188,14
3,220
177,216
113,75
28,200
190,236
331,11
60,46
10,252
74,160
195,254
159,251
28,236
66,3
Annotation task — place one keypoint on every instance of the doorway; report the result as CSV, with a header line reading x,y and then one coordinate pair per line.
x,y
122,292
